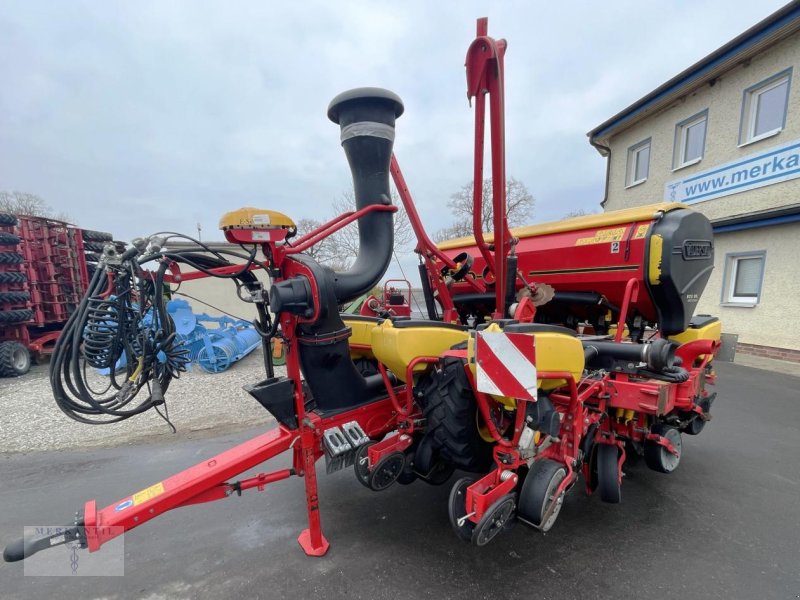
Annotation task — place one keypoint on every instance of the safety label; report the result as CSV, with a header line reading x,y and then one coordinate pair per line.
x,y
148,493
603,236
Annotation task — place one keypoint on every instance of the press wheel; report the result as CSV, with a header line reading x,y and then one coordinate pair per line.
x,y
657,456
457,509
538,494
494,520
608,481
361,464
386,472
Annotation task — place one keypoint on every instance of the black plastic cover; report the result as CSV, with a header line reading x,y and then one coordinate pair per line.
x,y
686,262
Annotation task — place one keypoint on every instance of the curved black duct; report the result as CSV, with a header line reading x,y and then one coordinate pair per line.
x,y
366,118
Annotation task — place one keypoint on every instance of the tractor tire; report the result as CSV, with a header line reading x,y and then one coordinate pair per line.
x,y
8,239
15,360
96,236
93,246
92,257
450,408
10,258
14,297
8,219
12,277
15,316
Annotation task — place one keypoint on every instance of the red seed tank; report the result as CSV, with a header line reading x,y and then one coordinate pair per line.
x,y
589,260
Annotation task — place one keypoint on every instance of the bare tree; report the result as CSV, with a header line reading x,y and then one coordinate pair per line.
x,y
578,212
340,249
324,252
23,203
519,208
346,242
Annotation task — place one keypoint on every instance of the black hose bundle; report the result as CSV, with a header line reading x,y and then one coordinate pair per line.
x,y
121,317
122,325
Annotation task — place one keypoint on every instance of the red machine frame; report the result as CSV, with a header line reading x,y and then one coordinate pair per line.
x,y
582,404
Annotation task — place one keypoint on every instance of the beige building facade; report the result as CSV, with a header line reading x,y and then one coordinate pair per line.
x,y
723,137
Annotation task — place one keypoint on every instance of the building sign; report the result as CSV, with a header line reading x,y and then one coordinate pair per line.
x,y
774,165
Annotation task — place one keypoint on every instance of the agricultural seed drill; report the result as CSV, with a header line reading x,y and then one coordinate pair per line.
x,y
550,353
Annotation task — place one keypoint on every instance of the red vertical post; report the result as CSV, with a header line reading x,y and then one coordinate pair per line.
x,y
311,540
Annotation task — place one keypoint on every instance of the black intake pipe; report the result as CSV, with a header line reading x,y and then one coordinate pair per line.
x,y
366,118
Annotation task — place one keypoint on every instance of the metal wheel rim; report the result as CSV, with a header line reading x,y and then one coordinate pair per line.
x,y
19,359
558,477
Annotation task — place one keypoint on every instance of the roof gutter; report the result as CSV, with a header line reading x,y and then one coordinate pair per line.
x,y
604,151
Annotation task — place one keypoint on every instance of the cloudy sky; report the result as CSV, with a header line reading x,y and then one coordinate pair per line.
x,y
142,116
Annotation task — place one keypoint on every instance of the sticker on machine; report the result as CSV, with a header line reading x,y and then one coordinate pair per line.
x,y
506,364
148,493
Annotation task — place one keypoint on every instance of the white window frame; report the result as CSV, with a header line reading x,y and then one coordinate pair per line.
x,y
750,107
729,279
633,156
681,130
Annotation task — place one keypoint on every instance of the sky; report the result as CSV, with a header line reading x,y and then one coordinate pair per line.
x,y
136,117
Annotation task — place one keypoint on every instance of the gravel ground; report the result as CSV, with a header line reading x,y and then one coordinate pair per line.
x,y
198,402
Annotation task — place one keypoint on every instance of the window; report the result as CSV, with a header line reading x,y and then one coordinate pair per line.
x,y
690,140
764,108
638,163
744,273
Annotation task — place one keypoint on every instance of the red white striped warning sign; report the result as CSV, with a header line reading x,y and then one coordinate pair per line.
x,y
506,364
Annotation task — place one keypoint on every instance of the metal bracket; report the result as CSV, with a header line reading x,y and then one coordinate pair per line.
x,y
340,445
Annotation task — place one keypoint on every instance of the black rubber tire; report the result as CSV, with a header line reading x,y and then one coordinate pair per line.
x,y
456,508
362,469
13,277
535,496
8,219
14,297
496,518
450,408
92,257
15,316
11,258
656,456
8,239
608,484
96,236
93,246
15,360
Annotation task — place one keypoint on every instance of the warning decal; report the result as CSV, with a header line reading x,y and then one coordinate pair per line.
x,y
603,236
148,493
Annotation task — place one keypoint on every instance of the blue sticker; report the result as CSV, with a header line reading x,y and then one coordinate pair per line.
x,y
123,505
